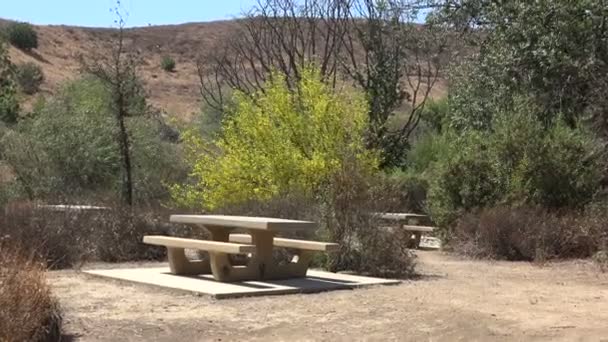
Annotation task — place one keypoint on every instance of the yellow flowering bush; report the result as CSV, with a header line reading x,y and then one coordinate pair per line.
x,y
277,141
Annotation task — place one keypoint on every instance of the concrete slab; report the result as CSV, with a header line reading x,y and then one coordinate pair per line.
x,y
315,281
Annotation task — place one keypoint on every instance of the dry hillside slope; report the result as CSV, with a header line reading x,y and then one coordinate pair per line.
x,y
176,93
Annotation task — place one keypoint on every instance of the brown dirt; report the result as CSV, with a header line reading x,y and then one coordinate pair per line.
x,y
454,300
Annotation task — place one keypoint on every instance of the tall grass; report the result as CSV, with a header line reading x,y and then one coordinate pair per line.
x,y
28,311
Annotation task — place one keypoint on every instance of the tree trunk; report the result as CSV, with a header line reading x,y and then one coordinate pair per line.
x,y
123,140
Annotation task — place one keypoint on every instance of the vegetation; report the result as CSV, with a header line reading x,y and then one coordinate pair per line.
x,y
22,35
277,143
168,64
29,76
332,132
528,233
9,105
29,310
66,239
67,149
551,51
522,128
373,45
518,162
118,73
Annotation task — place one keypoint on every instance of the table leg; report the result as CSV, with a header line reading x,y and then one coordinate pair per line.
x,y
222,268
269,269
179,264
261,265
417,237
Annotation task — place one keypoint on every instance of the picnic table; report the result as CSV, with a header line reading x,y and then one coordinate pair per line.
x,y
258,243
411,223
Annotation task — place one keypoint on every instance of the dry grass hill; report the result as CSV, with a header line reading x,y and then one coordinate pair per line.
x,y
176,93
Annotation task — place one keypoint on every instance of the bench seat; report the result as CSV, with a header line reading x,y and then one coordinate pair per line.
x,y
204,245
290,243
425,229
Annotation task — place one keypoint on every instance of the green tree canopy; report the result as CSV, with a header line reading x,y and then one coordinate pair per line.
x,y
552,51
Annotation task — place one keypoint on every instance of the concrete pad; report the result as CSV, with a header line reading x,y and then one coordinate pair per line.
x,y
315,281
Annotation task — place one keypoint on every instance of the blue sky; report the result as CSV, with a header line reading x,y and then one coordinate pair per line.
x,y
141,12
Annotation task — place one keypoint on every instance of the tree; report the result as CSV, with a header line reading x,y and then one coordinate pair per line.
x,y
9,106
277,142
553,51
371,44
119,73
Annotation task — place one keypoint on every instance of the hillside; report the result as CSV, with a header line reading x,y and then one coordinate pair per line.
x,y
176,93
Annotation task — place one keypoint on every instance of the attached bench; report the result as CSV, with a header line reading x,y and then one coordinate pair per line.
x,y
423,229
290,243
178,262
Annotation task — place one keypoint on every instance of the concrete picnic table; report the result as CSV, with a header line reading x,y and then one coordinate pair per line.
x,y
409,222
258,244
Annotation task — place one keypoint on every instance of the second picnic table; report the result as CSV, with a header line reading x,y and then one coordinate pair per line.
x,y
410,223
258,243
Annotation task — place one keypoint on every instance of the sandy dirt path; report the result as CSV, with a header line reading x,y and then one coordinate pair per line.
x,y
453,300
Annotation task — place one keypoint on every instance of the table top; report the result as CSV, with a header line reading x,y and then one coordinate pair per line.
x,y
248,222
399,216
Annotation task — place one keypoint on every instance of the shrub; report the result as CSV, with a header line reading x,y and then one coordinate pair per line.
x,y
119,234
463,179
350,199
69,238
69,148
28,310
61,239
29,76
527,233
554,166
22,35
168,64
519,162
277,142
436,114
9,106
343,212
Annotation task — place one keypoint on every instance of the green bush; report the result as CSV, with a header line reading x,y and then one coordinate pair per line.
x,y
22,35
29,76
519,162
168,64
436,114
9,106
462,178
68,148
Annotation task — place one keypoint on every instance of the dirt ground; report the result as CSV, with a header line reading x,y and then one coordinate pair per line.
x,y
453,300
